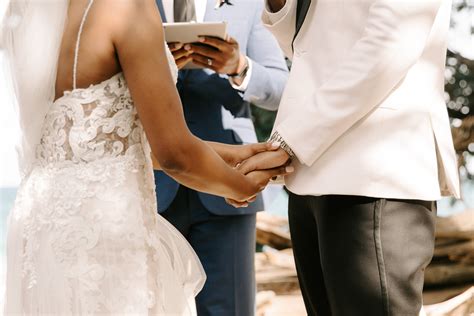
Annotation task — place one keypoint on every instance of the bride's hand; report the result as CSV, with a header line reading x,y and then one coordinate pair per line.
x,y
234,155
260,178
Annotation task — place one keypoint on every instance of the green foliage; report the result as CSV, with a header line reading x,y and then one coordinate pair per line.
x,y
459,86
263,121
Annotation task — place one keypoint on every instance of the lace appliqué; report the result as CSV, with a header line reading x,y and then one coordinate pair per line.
x,y
90,124
92,144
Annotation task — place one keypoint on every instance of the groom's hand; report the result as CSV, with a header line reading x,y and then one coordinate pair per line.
x,y
264,161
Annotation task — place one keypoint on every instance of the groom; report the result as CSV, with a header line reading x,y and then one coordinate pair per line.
x,y
364,121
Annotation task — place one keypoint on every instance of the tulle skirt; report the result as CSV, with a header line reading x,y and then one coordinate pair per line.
x,y
87,240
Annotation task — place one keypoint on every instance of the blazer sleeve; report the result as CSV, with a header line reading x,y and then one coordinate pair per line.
x,y
394,38
282,24
269,69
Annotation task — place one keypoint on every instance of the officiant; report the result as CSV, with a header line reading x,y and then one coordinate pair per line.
x,y
247,67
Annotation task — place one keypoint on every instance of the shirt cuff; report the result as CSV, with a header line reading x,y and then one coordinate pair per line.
x,y
274,17
243,86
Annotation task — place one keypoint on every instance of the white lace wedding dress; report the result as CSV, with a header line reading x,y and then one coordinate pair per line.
x,y
84,236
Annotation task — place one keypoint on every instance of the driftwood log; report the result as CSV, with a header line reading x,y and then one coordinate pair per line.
x,y
453,260
461,305
276,271
459,226
273,231
449,274
264,300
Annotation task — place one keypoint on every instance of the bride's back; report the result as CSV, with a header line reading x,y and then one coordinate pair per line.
x,y
97,59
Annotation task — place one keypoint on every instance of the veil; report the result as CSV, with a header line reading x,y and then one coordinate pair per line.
x,y
32,32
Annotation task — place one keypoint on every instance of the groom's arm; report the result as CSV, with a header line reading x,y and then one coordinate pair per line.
x,y
393,40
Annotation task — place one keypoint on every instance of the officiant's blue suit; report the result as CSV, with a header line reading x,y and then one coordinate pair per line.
x,y
224,236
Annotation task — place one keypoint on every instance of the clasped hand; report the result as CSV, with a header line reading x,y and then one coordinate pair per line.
x,y
261,166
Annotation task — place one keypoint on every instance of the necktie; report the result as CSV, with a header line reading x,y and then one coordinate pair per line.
x,y
184,11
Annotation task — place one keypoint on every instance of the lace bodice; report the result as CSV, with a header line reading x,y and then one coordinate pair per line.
x,y
101,121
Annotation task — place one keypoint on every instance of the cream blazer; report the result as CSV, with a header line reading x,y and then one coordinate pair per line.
x,y
364,109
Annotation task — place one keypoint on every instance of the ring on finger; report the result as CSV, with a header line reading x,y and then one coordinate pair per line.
x,y
209,62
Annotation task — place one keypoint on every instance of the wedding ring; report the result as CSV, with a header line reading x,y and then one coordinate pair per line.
x,y
209,62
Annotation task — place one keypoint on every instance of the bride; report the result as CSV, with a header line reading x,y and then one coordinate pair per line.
x,y
96,95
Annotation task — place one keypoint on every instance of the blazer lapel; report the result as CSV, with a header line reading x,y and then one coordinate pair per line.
x,y
301,10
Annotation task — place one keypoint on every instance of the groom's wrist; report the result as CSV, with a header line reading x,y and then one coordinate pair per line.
x,y
277,138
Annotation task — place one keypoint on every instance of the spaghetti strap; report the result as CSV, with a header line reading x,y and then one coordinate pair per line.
x,y
78,42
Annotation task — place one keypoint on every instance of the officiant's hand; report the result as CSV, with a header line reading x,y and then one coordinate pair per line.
x,y
181,53
222,56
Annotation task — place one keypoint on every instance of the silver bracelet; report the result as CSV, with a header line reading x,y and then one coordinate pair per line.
x,y
276,137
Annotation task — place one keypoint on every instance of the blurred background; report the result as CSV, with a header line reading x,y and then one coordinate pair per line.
x,y
459,77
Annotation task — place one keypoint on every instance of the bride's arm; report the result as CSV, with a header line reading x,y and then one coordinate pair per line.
x,y
139,41
233,154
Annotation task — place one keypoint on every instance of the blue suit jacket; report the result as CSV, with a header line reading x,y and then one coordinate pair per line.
x,y
204,92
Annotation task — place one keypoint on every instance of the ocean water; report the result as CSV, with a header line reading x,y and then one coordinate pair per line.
x,y
7,197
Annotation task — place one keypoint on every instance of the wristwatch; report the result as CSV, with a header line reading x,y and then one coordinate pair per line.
x,y
243,72
276,137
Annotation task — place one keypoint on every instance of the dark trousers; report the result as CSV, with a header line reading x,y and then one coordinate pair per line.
x,y
226,247
360,255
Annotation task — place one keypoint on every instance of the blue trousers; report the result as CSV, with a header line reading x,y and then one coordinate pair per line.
x,y
226,247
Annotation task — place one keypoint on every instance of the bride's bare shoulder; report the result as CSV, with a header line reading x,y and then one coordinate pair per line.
x,y
124,7
124,16
123,12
